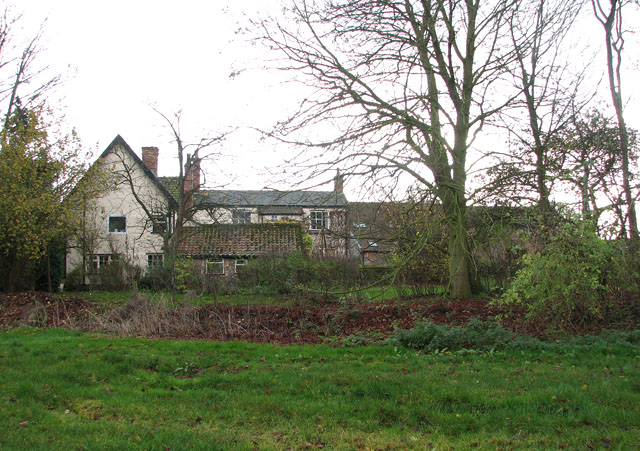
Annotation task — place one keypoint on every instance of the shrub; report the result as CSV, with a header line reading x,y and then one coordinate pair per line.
x,y
118,275
487,336
73,280
574,280
296,273
156,279
478,335
184,270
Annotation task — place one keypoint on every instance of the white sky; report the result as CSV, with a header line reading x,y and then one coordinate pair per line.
x,y
179,55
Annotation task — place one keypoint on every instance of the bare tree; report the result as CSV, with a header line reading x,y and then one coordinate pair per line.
x,y
23,82
611,20
549,100
167,213
406,86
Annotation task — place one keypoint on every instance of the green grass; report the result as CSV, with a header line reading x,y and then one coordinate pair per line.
x,y
374,294
121,297
79,390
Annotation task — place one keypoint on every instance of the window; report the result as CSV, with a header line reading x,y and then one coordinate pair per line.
x,y
159,224
319,220
239,264
117,224
100,261
155,260
215,266
241,217
274,217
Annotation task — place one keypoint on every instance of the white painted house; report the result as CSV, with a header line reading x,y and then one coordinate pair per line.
x,y
127,221
117,224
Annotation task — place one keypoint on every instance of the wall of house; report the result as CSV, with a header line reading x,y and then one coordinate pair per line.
x,y
138,240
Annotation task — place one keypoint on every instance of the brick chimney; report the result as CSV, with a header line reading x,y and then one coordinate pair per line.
x,y
191,177
150,158
338,183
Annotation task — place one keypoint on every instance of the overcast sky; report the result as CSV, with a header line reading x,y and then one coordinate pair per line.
x,y
123,55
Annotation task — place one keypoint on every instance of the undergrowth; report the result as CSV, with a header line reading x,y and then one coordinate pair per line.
x,y
489,336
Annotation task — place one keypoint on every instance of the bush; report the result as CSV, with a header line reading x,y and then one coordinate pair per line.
x,y
576,279
477,335
488,336
296,274
156,279
73,280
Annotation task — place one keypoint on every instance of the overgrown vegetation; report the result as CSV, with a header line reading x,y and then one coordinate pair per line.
x,y
490,336
575,279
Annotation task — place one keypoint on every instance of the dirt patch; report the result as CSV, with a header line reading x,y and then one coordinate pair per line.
x,y
41,310
286,323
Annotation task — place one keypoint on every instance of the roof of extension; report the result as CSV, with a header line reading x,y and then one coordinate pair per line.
x,y
230,198
119,141
172,184
241,240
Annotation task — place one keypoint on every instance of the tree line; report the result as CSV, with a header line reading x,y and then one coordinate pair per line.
x,y
406,88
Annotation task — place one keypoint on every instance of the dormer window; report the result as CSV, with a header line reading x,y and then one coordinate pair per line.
x,y
241,217
117,224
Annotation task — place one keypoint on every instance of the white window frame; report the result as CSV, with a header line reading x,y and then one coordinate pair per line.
x,y
100,261
314,220
239,263
154,259
245,216
126,222
213,262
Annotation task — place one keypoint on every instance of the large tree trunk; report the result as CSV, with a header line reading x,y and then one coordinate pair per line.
x,y
459,285
459,252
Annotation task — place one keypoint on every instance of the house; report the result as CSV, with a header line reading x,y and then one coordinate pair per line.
x,y
224,248
115,224
322,214
131,218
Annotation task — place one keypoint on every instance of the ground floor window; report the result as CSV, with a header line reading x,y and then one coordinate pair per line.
x,y
215,266
100,261
239,264
155,260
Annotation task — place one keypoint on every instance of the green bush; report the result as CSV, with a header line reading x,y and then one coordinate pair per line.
x,y
487,336
156,279
296,274
118,275
576,279
477,335
73,280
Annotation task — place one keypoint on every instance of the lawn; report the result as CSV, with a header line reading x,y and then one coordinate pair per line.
x,y
62,390
121,297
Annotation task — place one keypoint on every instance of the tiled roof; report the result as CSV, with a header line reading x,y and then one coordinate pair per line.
x,y
229,198
241,240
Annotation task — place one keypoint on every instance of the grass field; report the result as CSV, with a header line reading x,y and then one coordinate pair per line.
x,y
72,390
